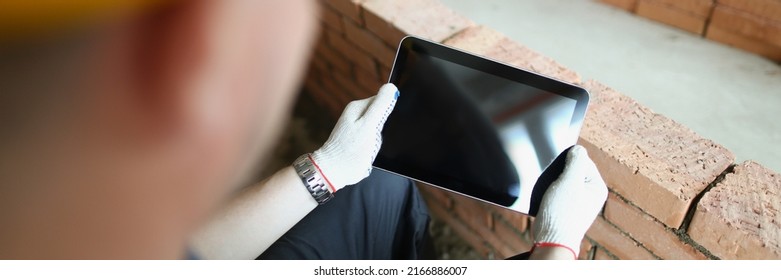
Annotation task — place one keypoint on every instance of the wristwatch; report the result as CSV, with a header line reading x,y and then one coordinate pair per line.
x,y
312,179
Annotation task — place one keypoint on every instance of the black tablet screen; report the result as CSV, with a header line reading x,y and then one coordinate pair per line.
x,y
479,133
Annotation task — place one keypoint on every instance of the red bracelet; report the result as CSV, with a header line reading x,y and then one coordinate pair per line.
x,y
550,244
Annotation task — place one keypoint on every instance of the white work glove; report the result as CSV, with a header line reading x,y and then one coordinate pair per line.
x,y
347,156
570,204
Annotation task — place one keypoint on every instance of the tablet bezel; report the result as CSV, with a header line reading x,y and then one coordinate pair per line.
x,y
480,63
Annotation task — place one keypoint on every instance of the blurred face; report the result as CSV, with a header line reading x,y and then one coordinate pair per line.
x,y
156,121
256,53
229,71
238,87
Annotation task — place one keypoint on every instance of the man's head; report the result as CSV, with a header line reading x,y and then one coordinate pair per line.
x,y
120,135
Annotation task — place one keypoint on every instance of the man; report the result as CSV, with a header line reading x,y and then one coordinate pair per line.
x,y
128,127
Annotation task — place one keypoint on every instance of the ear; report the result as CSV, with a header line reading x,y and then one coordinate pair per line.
x,y
170,51
226,71
221,59
182,75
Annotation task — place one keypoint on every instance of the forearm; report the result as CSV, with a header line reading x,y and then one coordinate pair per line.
x,y
256,218
263,213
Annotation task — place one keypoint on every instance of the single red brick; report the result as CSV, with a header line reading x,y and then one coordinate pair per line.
x,y
602,255
746,24
429,19
358,57
742,42
700,8
350,9
616,242
628,5
769,9
487,42
667,14
650,233
331,19
366,41
740,218
652,161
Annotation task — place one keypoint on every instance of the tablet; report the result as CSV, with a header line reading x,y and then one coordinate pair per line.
x,y
475,126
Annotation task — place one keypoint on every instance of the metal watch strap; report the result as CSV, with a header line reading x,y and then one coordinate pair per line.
x,y
312,179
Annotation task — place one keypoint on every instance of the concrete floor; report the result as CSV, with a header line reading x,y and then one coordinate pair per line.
x,y
722,93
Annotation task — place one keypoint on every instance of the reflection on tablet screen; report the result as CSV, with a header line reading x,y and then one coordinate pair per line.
x,y
473,132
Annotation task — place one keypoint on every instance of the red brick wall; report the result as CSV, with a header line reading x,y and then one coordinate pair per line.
x,y
673,194
752,25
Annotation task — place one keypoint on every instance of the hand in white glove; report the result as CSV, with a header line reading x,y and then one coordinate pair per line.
x,y
347,156
570,204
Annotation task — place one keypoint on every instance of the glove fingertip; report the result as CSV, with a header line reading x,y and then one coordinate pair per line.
x,y
389,88
382,104
577,151
388,94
